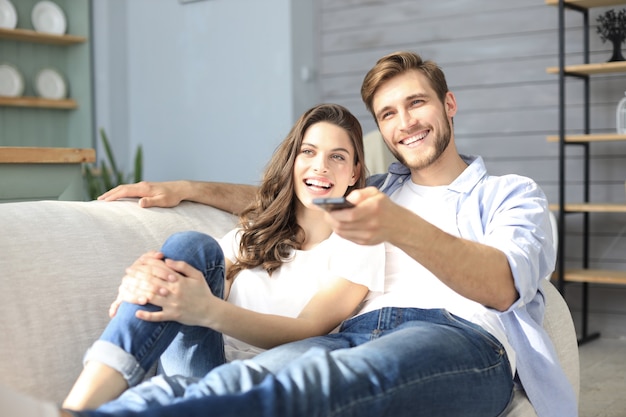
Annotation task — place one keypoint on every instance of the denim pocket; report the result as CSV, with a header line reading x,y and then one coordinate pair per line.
x,y
362,323
475,329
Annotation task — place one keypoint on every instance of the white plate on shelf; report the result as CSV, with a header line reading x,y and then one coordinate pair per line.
x,y
11,81
48,17
50,84
8,15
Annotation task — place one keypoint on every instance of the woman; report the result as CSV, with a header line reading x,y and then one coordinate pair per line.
x,y
284,276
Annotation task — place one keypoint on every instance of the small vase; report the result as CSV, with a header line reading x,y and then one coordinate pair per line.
x,y
621,116
617,51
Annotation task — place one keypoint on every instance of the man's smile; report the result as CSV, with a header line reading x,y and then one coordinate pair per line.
x,y
415,138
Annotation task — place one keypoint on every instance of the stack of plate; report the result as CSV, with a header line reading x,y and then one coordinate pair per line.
x,y
50,84
8,16
48,17
11,81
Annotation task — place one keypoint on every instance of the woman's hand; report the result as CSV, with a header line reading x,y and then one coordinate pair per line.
x,y
141,260
175,286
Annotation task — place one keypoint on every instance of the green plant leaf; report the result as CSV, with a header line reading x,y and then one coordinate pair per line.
x,y
109,153
103,178
105,174
138,164
94,186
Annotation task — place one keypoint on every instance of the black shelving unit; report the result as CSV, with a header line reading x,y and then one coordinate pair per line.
x,y
582,72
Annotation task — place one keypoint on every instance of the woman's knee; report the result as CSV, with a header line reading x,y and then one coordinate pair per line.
x,y
190,245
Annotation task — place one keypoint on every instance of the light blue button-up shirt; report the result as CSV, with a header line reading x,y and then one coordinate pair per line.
x,y
510,213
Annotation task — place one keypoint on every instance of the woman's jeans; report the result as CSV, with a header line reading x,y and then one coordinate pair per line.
x,y
391,362
132,346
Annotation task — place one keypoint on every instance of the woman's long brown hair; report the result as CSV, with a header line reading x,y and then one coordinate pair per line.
x,y
270,231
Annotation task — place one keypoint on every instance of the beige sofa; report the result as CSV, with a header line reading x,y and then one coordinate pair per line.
x,y
61,263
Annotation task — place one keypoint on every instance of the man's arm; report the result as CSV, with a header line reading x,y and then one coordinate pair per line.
x,y
225,196
479,272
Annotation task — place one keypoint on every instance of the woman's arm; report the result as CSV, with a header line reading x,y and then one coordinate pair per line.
x,y
184,297
325,311
225,196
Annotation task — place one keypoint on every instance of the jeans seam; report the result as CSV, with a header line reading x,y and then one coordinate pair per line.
x,y
484,334
378,396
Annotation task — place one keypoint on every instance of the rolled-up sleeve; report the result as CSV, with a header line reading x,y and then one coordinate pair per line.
x,y
515,219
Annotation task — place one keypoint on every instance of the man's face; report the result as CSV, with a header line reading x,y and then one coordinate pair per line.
x,y
414,123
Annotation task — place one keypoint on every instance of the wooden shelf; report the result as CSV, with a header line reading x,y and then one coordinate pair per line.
x,y
596,137
32,155
591,207
38,102
26,35
596,276
591,69
587,4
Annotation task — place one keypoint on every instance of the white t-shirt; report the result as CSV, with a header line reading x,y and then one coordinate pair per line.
x,y
408,284
293,285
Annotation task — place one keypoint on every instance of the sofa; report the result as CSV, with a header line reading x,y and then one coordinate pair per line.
x,y
61,263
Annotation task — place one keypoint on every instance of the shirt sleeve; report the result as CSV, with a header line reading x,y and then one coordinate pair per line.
x,y
520,227
360,264
230,244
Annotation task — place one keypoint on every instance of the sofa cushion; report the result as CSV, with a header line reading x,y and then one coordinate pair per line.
x,y
61,263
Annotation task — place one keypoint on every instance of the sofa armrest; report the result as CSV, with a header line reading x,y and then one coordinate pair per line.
x,y
60,265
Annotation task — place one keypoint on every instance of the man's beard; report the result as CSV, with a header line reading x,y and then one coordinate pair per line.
x,y
442,141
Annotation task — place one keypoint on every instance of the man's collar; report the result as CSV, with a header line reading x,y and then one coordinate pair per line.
x,y
464,183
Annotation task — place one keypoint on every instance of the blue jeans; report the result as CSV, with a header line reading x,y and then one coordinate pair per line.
x,y
132,346
391,362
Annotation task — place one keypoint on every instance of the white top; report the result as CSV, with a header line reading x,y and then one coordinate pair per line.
x,y
426,290
293,285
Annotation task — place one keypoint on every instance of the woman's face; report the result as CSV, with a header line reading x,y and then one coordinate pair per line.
x,y
325,165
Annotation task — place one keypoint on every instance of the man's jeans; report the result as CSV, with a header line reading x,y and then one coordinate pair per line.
x,y
132,346
391,362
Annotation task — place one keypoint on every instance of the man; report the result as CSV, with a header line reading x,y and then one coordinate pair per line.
x,y
459,323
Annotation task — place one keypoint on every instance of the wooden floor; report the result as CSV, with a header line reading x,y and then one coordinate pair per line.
x,y
603,378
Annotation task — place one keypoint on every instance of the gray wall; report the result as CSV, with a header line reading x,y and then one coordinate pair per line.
x,y
207,88
495,55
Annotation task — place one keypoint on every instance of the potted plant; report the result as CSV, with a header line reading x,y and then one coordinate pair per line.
x,y
99,179
612,27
